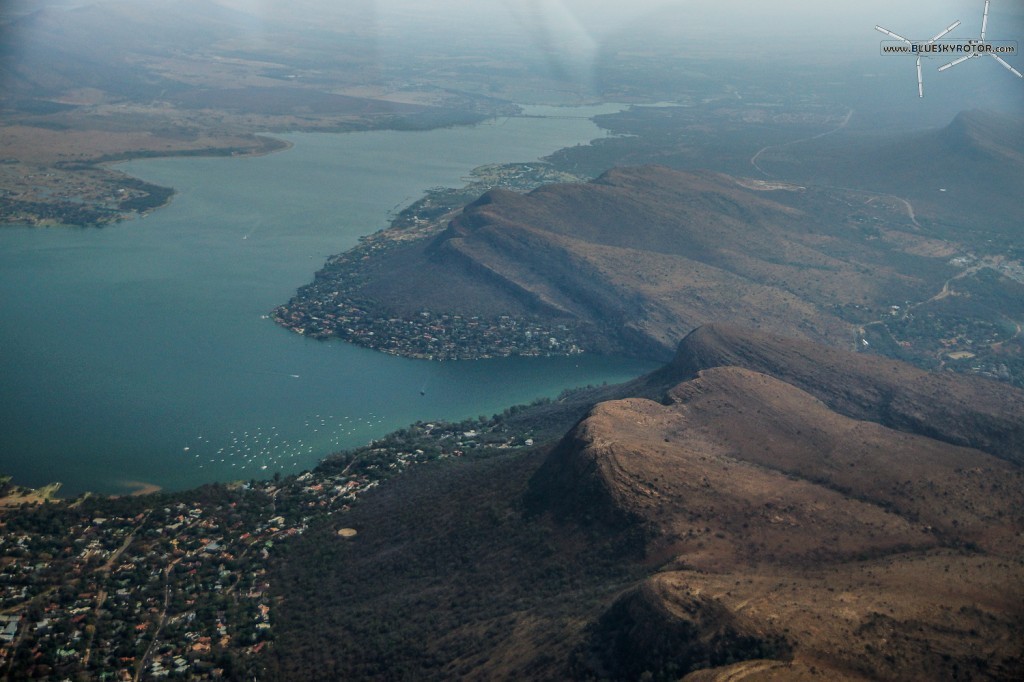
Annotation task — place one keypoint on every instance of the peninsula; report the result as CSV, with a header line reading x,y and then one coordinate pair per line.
x,y
632,260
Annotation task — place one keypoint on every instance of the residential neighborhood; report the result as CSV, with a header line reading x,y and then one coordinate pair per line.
x,y
179,585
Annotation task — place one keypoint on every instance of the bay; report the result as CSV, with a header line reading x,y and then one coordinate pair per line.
x,y
141,352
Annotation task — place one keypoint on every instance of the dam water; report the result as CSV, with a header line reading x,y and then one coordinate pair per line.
x,y
141,352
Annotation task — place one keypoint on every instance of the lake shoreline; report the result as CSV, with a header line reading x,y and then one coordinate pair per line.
x,y
15,496
167,376
90,192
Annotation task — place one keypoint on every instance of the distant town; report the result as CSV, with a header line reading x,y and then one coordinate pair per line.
x,y
969,326
74,194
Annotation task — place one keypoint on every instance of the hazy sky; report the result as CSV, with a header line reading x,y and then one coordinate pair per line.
x,y
573,26
836,36
832,30
575,37
748,19
571,20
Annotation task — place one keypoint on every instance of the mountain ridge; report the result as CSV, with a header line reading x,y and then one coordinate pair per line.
x,y
735,474
961,410
705,521
628,263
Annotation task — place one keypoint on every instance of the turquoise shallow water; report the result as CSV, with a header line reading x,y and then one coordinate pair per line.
x,y
140,352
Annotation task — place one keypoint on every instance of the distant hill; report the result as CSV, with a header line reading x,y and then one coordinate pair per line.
x,y
54,50
724,516
637,258
965,175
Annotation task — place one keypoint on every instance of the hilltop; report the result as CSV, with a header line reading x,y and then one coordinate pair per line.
x,y
720,516
788,522
961,410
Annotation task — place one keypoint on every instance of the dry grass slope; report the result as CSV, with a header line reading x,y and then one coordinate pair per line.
x,y
958,409
641,256
850,549
711,521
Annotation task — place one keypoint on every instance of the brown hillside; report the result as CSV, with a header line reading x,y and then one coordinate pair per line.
x,y
958,409
707,522
638,258
734,448
845,547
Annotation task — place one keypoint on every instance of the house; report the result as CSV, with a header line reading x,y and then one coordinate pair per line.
x,y
8,628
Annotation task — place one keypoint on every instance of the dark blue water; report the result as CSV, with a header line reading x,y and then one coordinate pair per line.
x,y
141,351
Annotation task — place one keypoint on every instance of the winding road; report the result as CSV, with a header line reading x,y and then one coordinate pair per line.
x,y
753,159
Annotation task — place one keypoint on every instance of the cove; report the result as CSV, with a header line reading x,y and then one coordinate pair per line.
x,y
141,352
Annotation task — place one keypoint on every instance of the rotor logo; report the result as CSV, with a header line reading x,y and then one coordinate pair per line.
x,y
961,51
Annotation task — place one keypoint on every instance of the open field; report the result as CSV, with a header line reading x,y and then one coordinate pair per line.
x,y
17,496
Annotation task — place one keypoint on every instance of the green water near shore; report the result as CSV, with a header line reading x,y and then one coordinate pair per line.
x,y
141,351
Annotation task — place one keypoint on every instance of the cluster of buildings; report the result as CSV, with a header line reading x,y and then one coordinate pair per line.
x,y
324,309
179,585
428,335
174,586
54,212
137,591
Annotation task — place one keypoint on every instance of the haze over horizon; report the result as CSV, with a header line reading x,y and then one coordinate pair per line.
x,y
579,42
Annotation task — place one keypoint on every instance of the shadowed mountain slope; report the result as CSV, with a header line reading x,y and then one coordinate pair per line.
x,y
739,513
633,261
